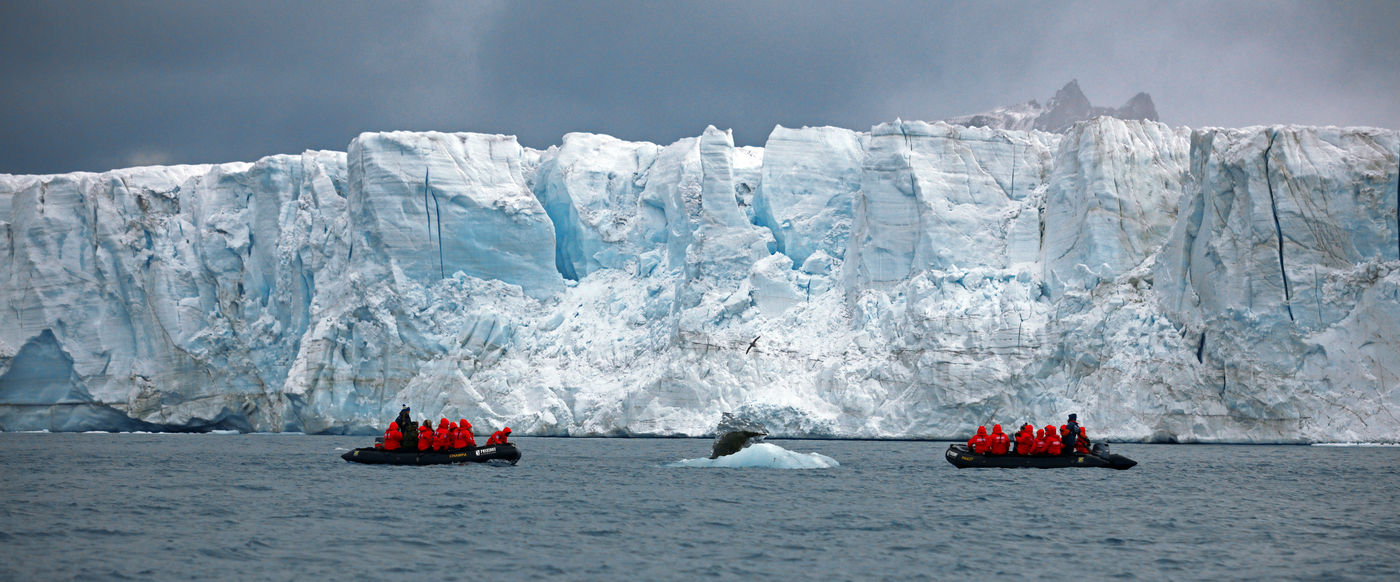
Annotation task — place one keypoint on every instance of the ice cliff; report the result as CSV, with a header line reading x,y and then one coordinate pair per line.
x,y
1238,285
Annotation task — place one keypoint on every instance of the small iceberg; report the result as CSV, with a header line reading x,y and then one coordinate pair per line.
x,y
765,456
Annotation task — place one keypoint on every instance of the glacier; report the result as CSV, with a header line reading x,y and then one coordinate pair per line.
x,y
910,281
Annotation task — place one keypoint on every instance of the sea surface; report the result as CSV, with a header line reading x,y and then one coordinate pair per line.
x,y
286,507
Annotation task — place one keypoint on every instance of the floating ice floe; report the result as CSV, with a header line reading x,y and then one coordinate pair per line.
x,y
764,456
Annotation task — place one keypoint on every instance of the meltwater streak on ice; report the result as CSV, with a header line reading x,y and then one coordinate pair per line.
x,y
765,456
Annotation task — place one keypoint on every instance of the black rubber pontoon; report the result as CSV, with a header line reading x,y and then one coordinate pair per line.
x,y
962,457
373,456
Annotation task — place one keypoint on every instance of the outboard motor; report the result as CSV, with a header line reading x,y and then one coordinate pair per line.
x,y
1100,449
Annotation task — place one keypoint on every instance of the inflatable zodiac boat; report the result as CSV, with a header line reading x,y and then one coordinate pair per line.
x,y
369,455
962,457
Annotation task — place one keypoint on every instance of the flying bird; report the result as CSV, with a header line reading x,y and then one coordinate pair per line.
x,y
752,344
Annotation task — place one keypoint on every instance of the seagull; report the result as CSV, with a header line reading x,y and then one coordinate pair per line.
x,y
752,344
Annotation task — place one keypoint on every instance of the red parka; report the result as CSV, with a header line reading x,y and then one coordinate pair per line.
x,y
443,438
393,439
999,443
1052,443
499,437
1025,442
978,443
425,437
462,437
1038,447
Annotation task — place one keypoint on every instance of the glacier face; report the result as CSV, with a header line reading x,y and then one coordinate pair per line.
x,y
1232,285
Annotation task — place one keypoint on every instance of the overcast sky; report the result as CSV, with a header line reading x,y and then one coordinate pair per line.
x,y
96,85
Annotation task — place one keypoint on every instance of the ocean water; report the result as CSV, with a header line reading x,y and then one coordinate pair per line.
x,y
282,507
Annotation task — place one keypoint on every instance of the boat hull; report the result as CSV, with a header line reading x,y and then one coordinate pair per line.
x,y
962,457
371,456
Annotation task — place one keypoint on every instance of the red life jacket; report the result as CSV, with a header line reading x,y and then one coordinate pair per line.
x,y
1052,444
425,438
1038,447
1082,446
393,439
999,442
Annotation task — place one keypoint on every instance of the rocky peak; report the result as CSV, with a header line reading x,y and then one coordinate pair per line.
x,y
1068,107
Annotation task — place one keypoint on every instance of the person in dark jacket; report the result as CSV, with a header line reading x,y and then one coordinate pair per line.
x,y
408,429
1071,437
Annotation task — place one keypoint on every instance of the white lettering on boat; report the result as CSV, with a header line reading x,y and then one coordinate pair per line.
x,y
480,452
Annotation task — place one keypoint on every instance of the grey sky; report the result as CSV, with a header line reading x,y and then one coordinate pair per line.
x,y
97,85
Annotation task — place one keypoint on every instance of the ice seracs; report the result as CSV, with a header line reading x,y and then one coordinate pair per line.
x,y
412,195
1236,285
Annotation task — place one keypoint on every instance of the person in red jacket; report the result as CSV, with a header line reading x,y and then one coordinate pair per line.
x,y
998,443
978,443
456,436
464,438
1083,445
1025,441
499,437
1052,443
442,439
425,435
393,439
1038,446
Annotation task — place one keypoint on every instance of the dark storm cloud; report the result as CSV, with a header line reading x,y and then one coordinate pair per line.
x,y
90,86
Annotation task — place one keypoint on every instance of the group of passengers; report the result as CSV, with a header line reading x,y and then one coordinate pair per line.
x,y
405,434
1069,439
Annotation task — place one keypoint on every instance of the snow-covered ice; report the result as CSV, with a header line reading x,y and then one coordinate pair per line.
x,y
916,280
